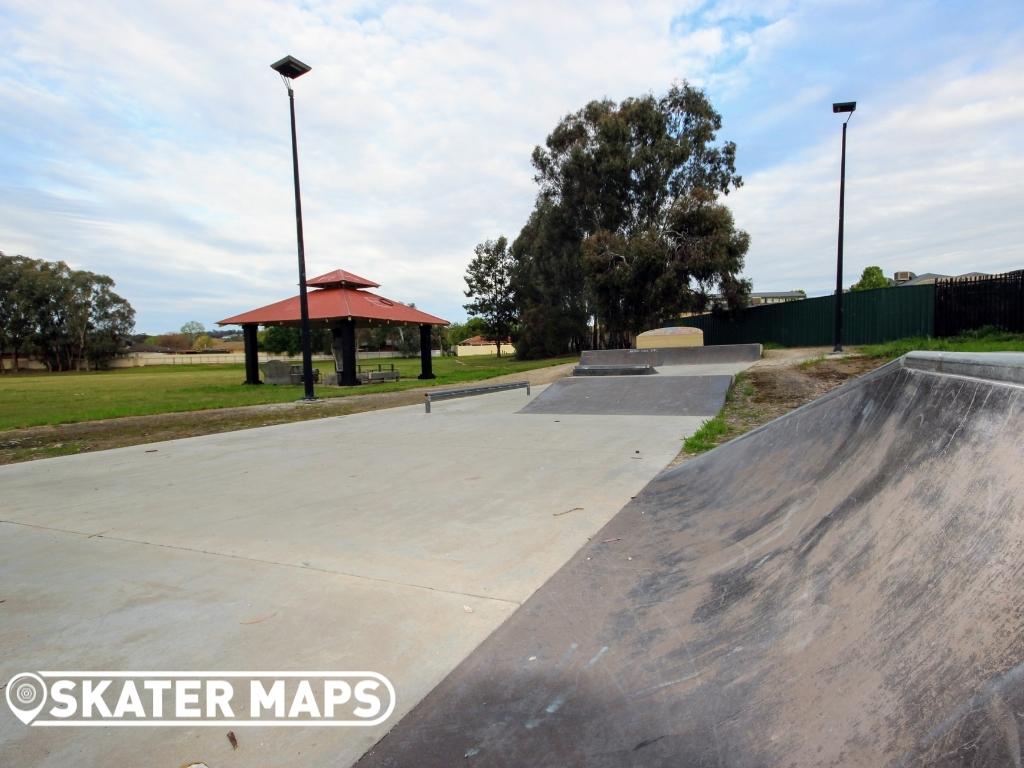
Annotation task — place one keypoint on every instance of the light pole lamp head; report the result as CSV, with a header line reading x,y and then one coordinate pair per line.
x,y
289,68
844,106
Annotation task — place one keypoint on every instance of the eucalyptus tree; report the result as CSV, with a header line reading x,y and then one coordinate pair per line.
x,y
628,228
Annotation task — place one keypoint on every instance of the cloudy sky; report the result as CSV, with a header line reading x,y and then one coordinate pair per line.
x,y
149,141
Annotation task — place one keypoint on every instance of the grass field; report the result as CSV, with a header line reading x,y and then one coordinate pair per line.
x,y
37,399
984,340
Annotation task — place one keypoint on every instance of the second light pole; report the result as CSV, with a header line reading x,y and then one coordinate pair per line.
x,y
290,68
842,106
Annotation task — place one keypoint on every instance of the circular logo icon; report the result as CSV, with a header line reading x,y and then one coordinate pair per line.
x,y
26,696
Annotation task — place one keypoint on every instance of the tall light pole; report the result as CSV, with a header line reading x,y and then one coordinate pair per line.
x,y
290,68
842,106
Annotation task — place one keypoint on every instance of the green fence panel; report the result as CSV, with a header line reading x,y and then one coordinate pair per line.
x,y
869,317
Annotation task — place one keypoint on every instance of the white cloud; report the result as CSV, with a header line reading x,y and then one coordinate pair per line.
x,y
933,185
151,141
415,129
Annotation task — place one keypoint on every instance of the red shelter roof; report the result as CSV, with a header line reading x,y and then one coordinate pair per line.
x,y
337,295
341,278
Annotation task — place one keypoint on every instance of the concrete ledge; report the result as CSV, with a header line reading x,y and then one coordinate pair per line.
x,y
719,353
613,370
995,366
592,357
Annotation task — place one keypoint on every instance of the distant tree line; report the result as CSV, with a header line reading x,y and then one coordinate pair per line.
x,y
192,337
627,230
68,319
286,340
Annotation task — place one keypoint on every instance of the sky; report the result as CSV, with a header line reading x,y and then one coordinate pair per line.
x,y
150,141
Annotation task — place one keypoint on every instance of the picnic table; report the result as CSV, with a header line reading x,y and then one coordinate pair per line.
x,y
381,374
295,375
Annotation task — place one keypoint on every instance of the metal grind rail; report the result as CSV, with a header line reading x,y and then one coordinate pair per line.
x,y
451,394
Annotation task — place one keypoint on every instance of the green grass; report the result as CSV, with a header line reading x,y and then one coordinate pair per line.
x,y
35,399
983,340
811,362
706,438
712,431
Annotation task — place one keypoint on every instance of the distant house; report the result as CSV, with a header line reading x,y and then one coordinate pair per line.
x,y
757,299
928,278
478,345
775,297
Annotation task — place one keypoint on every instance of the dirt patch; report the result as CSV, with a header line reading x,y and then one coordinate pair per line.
x,y
17,445
776,385
787,357
783,388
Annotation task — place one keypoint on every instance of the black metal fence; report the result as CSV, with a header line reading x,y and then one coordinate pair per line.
x,y
966,303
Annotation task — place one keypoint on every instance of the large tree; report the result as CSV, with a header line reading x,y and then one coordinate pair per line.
x,y
489,286
627,230
111,320
66,318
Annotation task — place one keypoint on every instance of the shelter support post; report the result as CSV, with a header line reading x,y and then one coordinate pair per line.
x,y
344,337
426,362
252,358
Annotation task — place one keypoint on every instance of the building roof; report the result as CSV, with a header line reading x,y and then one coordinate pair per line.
x,y
931,277
340,278
779,294
480,341
927,277
343,299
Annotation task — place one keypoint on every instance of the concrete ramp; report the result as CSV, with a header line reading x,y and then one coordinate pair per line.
x,y
633,396
720,353
843,586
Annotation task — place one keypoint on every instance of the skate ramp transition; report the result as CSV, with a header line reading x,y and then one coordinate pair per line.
x,y
839,587
633,396
720,353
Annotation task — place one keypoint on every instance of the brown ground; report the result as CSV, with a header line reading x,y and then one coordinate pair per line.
x,y
783,380
18,445
778,389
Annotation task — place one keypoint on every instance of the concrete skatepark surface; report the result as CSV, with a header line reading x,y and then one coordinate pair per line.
x,y
839,587
687,380
393,541
651,395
